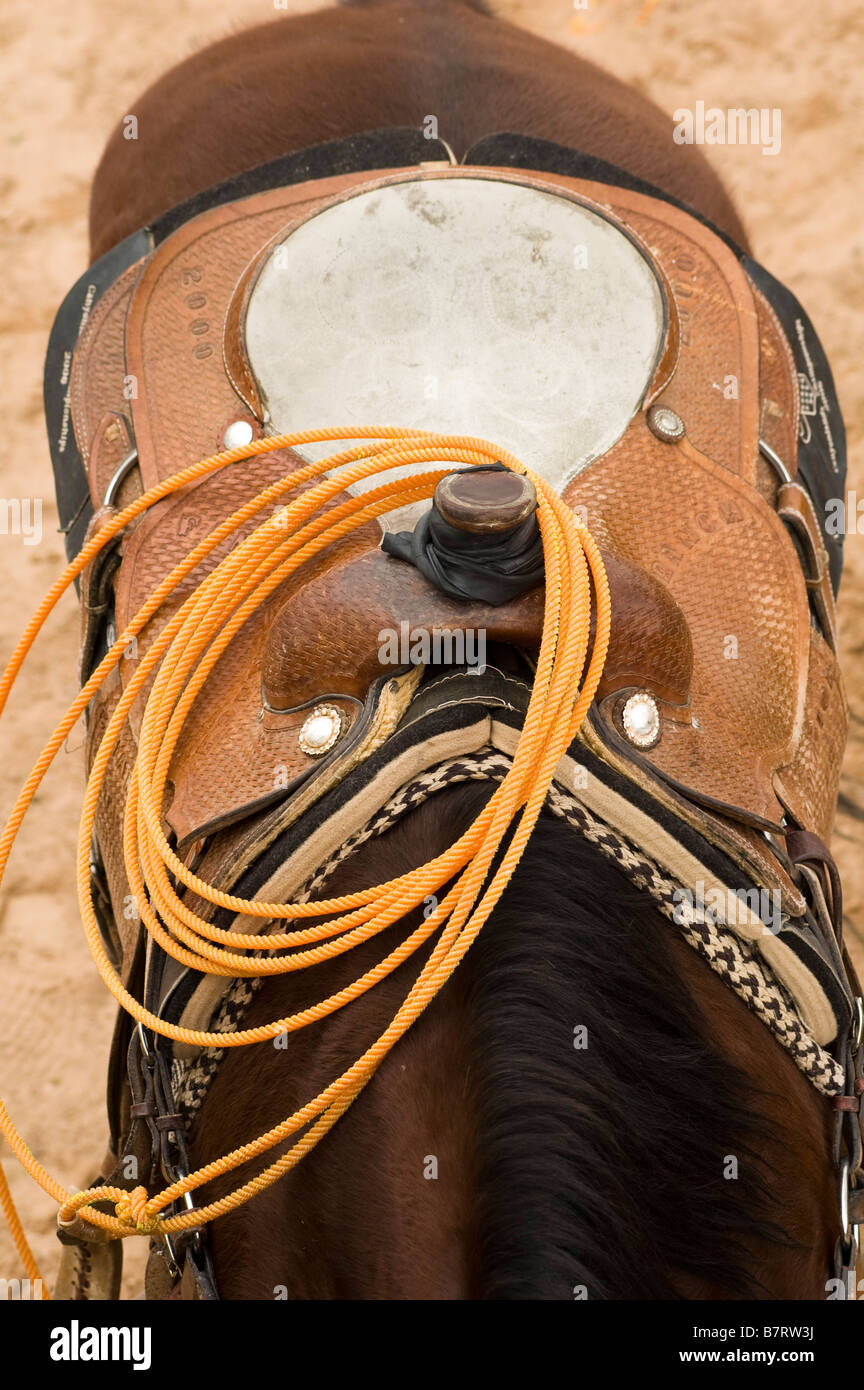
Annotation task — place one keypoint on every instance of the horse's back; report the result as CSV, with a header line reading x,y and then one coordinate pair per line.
x,y
295,82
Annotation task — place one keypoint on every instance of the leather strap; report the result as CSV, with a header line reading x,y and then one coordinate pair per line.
x,y
796,509
804,847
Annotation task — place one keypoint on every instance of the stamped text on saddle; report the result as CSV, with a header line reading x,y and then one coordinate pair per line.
x,y
633,359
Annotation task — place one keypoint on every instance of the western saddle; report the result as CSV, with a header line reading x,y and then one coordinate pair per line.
x,y
669,387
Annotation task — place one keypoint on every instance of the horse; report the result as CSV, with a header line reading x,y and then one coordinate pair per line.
x,y
586,1110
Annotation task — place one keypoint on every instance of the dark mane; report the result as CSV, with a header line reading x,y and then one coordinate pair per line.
x,y
602,1167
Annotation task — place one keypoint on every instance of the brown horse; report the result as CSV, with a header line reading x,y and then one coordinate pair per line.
x,y
680,1154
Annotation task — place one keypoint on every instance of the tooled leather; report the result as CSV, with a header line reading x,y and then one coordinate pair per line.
x,y
670,353
268,739
175,324
233,340
246,748
720,344
167,533
795,507
355,594
705,533
110,445
717,324
778,386
650,645
336,615
99,367
807,786
348,605
228,246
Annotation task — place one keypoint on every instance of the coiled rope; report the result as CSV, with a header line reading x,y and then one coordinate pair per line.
x,y
178,662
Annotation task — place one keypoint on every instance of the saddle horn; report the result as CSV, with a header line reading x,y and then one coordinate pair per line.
x,y
480,539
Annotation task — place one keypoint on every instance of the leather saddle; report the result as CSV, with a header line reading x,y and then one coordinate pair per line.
x,y
612,338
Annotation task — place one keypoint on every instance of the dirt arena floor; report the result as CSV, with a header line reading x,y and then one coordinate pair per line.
x,y
71,72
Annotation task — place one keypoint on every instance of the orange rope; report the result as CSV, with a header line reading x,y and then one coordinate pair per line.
x,y
177,664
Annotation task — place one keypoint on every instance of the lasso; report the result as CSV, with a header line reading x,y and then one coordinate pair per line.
x,y
179,661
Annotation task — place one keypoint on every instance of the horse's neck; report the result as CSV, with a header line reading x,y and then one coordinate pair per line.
x,y
386,1207
476,1163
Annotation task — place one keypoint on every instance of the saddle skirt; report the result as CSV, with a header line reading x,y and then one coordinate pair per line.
x,y
623,348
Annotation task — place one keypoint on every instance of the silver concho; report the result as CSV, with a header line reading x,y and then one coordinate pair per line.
x,y
320,730
238,433
641,720
665,424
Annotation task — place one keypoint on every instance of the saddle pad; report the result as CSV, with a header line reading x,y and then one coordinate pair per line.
x,y
450,728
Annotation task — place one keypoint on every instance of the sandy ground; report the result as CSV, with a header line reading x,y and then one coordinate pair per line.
x,y
70,72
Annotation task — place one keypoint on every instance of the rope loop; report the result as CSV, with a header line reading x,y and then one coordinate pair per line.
x,y
308,508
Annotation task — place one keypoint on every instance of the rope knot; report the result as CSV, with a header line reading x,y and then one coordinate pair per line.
x,y
131,1210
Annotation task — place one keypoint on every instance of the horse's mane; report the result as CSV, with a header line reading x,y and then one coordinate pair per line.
x,y
602,1167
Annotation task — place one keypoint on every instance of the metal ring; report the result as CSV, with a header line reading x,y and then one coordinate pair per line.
x,y
858,1023
119,474
143,1041
175,1269
775,460
844,1198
